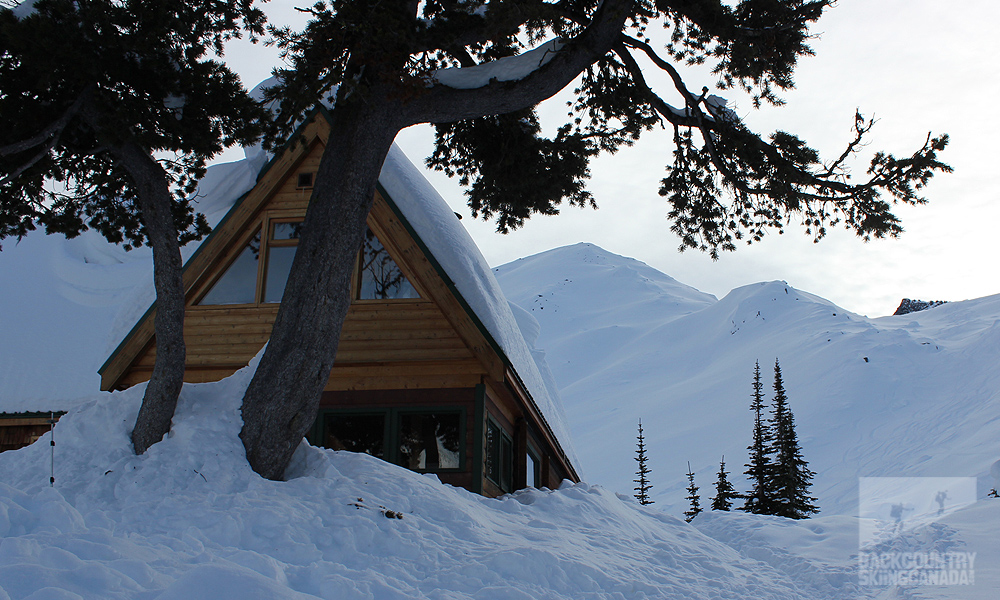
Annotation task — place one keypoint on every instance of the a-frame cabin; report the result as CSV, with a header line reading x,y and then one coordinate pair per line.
x,y
431,372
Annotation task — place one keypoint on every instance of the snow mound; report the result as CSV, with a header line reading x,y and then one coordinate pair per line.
x,y
190,520
70,302
592,303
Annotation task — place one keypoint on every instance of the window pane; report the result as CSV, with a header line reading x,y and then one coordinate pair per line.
x,y
492,452
534,467
381,278
286,231
506,464
499,457
357,433
429,441
279,264
238,284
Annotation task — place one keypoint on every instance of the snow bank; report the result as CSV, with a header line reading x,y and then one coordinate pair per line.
x,y
59,301
190,520
68,303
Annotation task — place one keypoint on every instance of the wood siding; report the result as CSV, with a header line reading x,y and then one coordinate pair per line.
x,y
387,344
18,431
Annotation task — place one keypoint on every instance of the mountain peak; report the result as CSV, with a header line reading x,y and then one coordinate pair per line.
x,y
562,276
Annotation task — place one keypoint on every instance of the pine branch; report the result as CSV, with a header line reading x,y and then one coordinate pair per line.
x,y
51,131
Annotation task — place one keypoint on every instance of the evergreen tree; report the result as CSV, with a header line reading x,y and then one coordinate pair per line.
x,y
724,491
642,491
791,477
383,67
759,498
692,497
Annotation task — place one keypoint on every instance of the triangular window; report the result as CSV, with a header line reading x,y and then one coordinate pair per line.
x,y
380,276
238,285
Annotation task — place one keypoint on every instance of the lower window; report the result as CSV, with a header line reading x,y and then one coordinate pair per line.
x,y
355,432
429,440
499,457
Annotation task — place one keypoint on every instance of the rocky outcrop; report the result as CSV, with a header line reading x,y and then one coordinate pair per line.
x,y
909,306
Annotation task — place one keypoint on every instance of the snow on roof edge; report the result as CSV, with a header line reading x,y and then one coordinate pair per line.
x,y
453,249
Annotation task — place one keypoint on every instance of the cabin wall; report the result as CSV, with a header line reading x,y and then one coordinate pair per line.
x,y
502,409
20,430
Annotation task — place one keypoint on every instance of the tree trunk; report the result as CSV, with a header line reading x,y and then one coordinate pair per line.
x,y
282,401
155,202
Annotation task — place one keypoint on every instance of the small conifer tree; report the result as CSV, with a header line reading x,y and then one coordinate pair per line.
x,y
642,491
692,497
790,477
724,491
759,498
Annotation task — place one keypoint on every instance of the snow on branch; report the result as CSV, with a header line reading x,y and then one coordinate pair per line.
x,y
510,68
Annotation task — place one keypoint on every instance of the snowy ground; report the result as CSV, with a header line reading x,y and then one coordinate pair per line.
x,y
189,520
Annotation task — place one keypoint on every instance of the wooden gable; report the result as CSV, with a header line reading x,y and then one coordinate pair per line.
x,y
396,356
426,342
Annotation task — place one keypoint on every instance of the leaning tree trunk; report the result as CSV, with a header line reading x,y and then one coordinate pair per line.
x,y
155,202
282,400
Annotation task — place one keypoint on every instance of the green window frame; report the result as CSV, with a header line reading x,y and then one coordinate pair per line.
x,y
499,456
257,275
377,275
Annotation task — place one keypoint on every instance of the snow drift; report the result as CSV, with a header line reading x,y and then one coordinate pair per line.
x,y
189,519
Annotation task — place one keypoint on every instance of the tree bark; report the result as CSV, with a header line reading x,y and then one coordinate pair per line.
x,y
155,202
282,400
155,206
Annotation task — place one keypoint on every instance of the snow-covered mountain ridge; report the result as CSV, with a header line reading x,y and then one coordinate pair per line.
x,y
913,395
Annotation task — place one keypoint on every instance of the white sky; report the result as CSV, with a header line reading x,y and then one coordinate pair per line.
x,y
918,65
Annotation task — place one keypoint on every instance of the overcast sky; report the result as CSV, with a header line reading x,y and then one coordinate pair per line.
x,y
917,65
